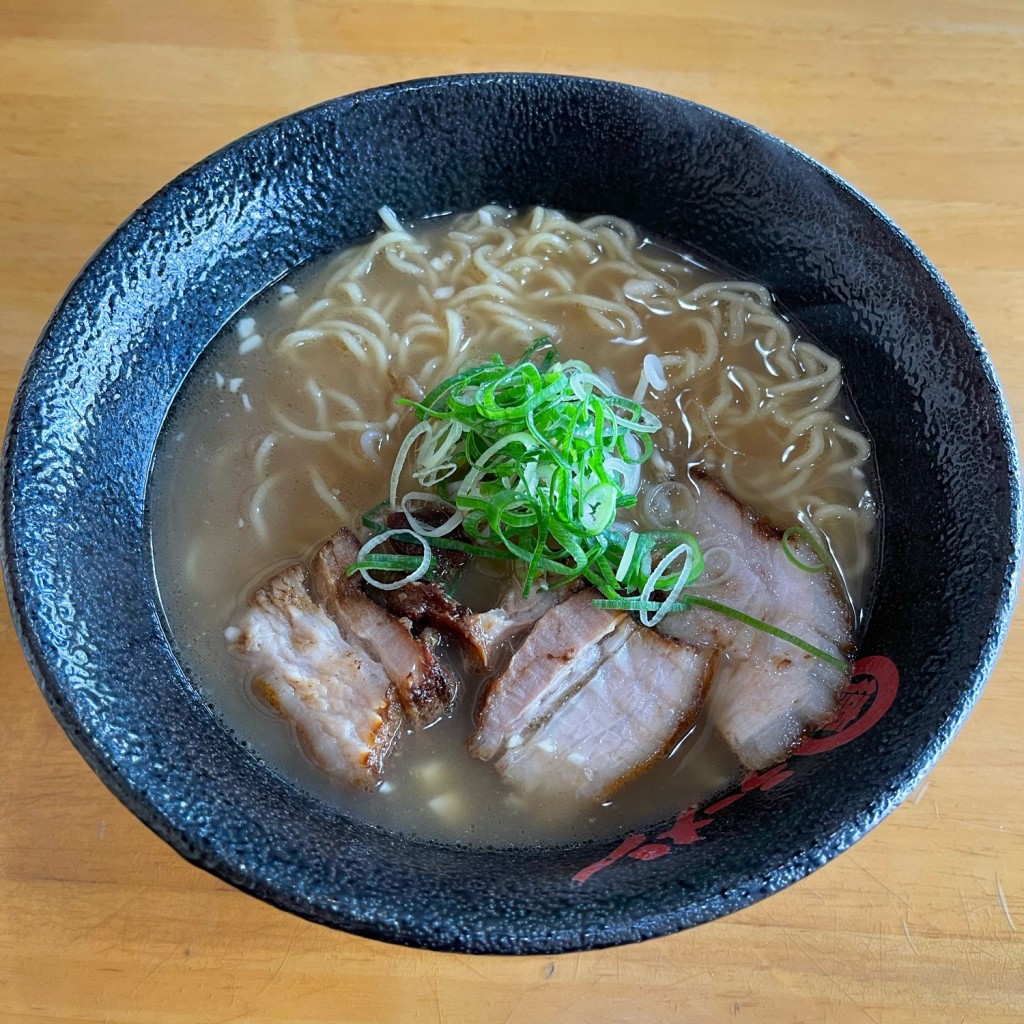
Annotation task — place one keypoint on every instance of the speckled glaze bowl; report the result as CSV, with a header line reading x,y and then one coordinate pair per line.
x,y
99,383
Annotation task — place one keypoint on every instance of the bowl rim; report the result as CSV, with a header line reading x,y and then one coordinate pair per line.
x,y
16,578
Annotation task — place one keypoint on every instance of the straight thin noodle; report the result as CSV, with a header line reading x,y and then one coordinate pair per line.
x,y
261,457
330,500
345,401
296,430
256,516
312,312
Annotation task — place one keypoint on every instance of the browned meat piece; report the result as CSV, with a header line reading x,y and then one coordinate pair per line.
x,y
423,684
766,693
633,708
341,703
484,636
568,642
426,604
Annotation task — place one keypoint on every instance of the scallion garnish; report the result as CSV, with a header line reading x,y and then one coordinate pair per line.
x,y
414,568
535,462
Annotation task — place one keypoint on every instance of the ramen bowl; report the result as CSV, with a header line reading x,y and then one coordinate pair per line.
x,y
99,384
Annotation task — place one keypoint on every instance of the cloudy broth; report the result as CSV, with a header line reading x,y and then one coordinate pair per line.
x,y
286,429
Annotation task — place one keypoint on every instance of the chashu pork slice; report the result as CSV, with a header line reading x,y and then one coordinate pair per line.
x,y
493,632
486,637
561,651
766,693
423,683
637,703
342,704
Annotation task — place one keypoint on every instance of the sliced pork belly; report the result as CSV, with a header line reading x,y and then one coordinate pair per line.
x,y
766,693
491,633
630,712
424,685
565,646
341,703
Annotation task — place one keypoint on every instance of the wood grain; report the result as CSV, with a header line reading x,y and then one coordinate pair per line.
x,y
919,104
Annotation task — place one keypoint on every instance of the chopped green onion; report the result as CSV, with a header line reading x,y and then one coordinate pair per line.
x,y
417,572
535,460
691,555
410,439
627,556
387,562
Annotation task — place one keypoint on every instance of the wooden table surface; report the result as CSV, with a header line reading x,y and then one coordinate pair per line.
x,y
919,104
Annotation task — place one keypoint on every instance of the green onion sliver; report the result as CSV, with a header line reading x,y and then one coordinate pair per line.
x,y
396,473
420,529
386,563
419,572
627,557
803,534
634,604
689,552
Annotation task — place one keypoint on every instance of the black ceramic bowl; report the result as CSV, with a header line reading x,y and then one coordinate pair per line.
x,y
98,386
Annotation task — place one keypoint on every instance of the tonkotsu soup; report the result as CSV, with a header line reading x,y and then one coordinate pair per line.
x,y
287,428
